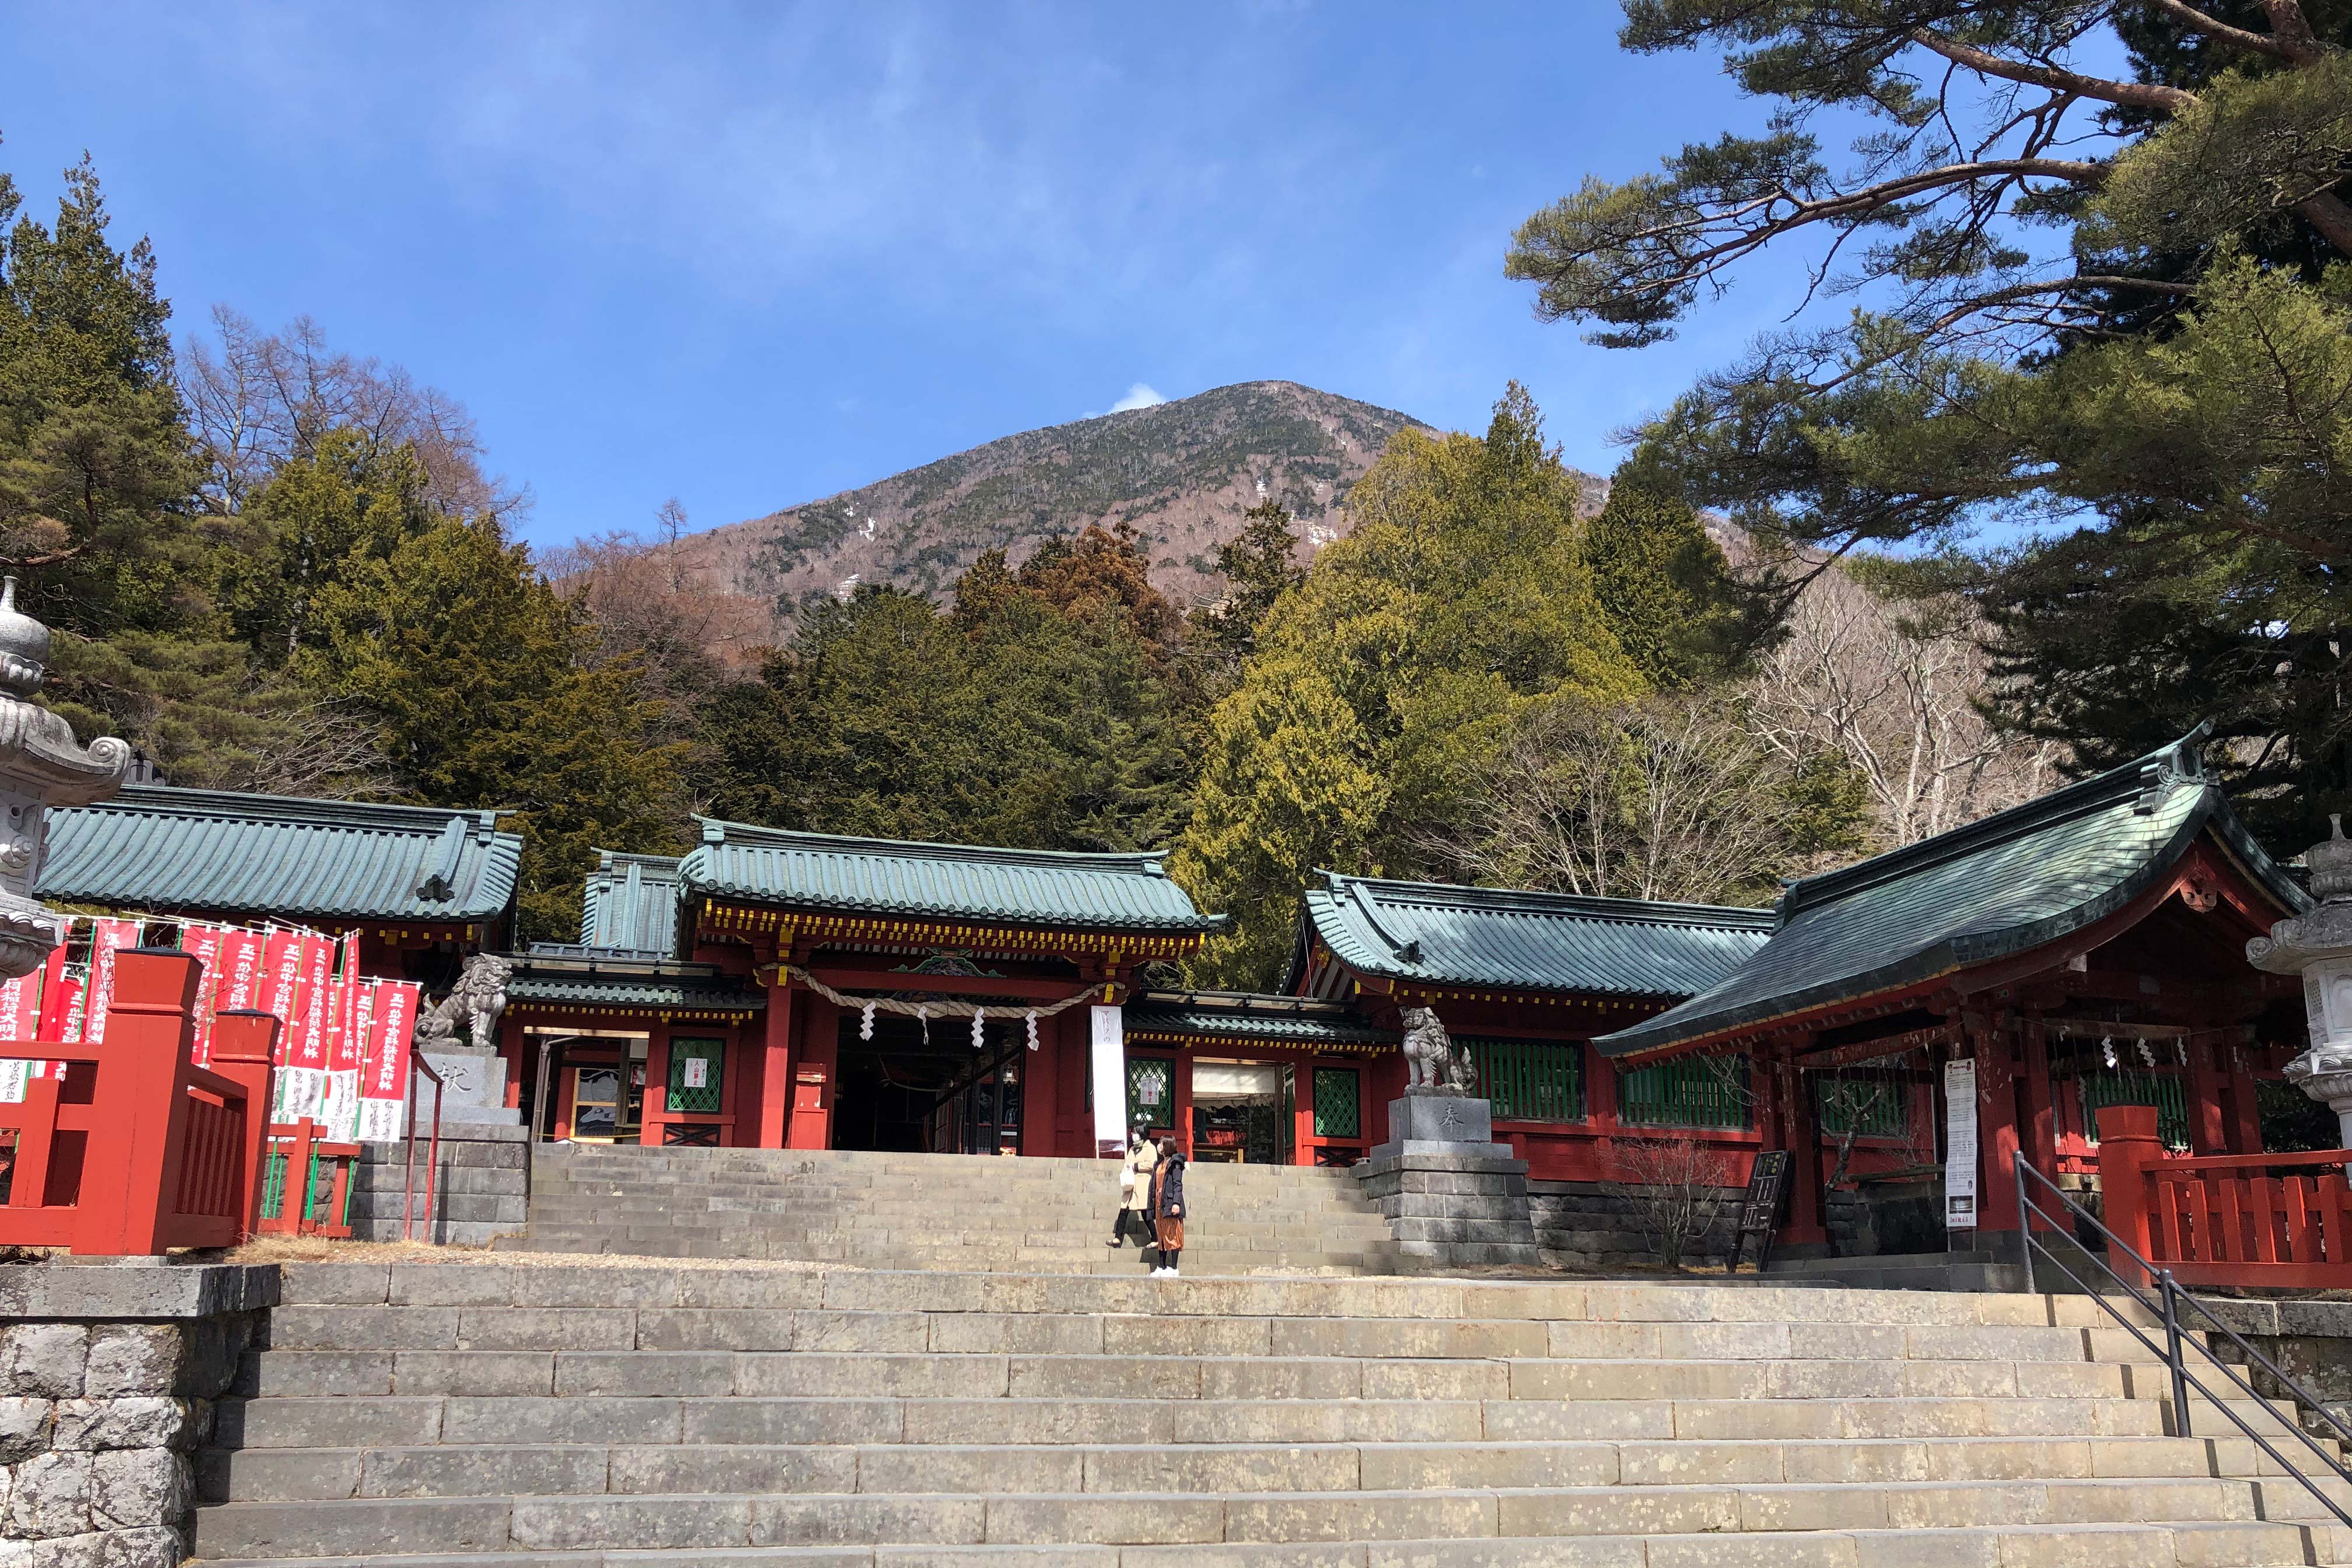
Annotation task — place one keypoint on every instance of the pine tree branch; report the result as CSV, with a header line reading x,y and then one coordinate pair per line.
x,y
2138,95
2189,17
2328,214
2292,29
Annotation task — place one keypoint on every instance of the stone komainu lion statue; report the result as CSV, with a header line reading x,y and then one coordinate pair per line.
x,y
477,1000
1437,1066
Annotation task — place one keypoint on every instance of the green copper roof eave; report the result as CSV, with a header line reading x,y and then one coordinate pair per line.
x,y
633,993
164,849
966,883
2062,863
1509,939
1271,1018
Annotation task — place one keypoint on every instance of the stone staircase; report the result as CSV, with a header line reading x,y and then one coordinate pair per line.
x,y
934,1211
505,1413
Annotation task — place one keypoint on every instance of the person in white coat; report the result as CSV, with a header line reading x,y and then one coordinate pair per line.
x,y
1135,1191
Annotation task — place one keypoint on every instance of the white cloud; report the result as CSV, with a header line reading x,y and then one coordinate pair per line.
x,y
1139,396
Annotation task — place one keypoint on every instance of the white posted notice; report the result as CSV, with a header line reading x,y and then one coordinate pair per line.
x,y
1960,1145
1110,1082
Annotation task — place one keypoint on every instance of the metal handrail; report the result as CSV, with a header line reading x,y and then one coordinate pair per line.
x,y
2166,1306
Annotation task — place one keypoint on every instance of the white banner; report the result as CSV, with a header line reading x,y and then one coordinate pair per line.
x,y
1110,1082
1960,1145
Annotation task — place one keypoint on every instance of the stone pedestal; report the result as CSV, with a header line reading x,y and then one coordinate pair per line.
x,y
473,1089
2317,947
1452,1196
483,1192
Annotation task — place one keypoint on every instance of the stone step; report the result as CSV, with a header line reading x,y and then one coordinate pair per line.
x,y
2222,1545
714,1519
758,1329
460,1470
490,1281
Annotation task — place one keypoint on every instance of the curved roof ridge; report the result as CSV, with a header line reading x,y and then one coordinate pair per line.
x,y
175,800
1537,900
2153,776
1145,862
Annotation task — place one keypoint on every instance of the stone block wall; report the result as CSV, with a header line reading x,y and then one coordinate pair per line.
x,y
108,1378
484,1191
1584,1223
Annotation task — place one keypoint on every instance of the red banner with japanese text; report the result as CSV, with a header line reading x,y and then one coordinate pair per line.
x,y
346,1042
384,1071
303,1027
108,937
20,1024
203,943
61,996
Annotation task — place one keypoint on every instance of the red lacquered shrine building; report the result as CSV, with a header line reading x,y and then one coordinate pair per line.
x,y
2083,950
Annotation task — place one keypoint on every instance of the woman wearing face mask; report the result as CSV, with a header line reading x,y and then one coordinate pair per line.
x,y
1135,1190
1168,1207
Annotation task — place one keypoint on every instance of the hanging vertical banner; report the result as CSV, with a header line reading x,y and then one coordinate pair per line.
x,y
203,943
55,1003
346,1042
20,1024
1960,1145
1109,1062
303,1029
240,971
385,1069
108,937
279,995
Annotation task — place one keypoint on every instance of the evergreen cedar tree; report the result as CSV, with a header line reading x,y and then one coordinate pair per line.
x,y
333,635
2161,394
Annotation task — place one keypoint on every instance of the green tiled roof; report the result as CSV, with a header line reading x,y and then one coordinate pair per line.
x,y
2011,882
1447,935
218,852
636,986
1252,1015
945,881
631,903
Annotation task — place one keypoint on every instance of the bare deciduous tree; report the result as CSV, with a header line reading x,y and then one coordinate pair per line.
x,y
1894,689
1675,798
257,400
1676,1186
650,599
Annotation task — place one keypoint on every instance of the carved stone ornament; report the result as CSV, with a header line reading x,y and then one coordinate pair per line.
x,y
1437,1066
476,1000
41,765
2318,947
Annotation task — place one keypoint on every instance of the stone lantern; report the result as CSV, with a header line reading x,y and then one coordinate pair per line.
x,y
2318,946
40,766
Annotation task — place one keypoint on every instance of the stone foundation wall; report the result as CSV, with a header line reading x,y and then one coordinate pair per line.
x,y
107,1377
1583,1224
484,1191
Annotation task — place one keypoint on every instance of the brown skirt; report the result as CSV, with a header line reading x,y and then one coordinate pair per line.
x,y
1171,1234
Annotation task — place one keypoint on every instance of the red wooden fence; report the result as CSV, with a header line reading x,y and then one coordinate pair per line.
x,y
307,1184
2280,1220
134,1149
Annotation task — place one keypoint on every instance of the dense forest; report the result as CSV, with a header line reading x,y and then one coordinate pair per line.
x,y
1778,642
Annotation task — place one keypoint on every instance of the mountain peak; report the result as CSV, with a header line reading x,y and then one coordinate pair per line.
x,y
1181,473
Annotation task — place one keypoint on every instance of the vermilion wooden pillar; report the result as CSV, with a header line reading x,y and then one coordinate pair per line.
x,y
2208,1130
1041,1089
1997,1131
774,1053
1804,1144
2038,1094
654,1114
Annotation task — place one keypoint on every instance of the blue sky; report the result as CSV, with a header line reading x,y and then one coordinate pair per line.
x,y
750,255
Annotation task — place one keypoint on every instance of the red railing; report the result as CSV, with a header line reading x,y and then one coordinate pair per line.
x,y
131,1149
295,1200
2278,1220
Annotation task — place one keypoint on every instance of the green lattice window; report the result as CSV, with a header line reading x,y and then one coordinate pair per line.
x,y
2124,1087
1696,1091
696,1070
1531,1080
1867,1106
1152,1090
1338,1103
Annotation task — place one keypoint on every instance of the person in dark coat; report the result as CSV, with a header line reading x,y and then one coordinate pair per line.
x,y
1168,1207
